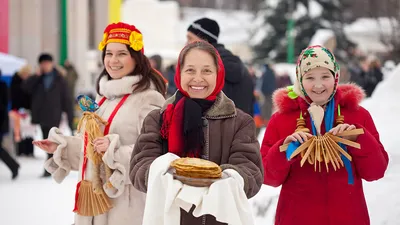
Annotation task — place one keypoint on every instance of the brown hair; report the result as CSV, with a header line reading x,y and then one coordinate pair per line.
x,y
143,67
202,45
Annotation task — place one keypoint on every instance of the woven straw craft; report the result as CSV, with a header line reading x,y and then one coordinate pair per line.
x,y
324,148
92,200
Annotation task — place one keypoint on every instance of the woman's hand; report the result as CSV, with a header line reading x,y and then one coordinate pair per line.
x,y
101,144
46,145
344,127
298,136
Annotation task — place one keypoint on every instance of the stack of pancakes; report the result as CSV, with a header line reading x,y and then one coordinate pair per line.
x,y
196,168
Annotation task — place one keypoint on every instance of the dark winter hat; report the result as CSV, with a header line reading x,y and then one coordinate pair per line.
x,y
205,28
45,57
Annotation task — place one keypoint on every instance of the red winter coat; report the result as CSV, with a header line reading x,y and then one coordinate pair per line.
x,y
321,198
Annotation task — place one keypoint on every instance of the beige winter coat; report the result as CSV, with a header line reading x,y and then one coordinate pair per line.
x,y
128,202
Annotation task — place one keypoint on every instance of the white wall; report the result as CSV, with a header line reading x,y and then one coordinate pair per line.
x,y
34,28
78,36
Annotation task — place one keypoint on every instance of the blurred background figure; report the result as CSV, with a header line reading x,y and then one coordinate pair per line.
x,y
23,130
367,73
156,63
170,74
71,76
268,87
50,97
4,154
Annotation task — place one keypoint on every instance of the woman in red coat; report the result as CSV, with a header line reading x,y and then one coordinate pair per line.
x,y
310,197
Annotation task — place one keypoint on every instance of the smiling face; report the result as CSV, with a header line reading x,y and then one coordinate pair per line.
x,y
198,73
319,84
118,61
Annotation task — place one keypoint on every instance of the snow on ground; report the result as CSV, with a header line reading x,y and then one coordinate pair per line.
x,y
33,200
383,197
37,201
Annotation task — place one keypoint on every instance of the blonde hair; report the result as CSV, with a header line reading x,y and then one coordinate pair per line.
x,y
26,69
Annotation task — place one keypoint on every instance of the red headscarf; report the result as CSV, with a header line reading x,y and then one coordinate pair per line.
x,y
182,120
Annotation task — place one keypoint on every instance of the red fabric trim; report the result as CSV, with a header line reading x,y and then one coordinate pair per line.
x,y
175,137
102,100
111,118
85,142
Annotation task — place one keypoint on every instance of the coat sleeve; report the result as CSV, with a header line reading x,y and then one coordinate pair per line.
x,y
148,147
66,157
245,157
276,166
371,160
117,156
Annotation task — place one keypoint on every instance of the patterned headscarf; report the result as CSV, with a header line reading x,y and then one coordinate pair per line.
x,y
310,58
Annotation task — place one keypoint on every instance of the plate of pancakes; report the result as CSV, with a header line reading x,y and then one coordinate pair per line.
x,y
196,172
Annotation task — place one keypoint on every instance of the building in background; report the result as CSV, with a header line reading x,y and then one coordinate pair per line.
x,y
65,29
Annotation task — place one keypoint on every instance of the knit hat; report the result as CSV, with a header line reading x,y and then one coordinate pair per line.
x,y
122,33
206,29
310,58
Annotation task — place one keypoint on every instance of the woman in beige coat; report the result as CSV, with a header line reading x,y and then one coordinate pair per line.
x,y
127,75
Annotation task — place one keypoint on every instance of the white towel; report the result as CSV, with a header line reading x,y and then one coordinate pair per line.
x,y
224,199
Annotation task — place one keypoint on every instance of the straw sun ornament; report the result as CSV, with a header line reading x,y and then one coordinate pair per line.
x,y
323,148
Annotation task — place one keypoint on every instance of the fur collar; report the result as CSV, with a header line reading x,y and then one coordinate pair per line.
x,y
348,96
223,107
118,87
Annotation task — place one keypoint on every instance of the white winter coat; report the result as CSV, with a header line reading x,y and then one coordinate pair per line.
x,y
128,202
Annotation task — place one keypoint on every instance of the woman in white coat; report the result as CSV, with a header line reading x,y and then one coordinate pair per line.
x,y
129,89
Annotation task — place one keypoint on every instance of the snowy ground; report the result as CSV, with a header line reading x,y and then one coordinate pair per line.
x,y
37,201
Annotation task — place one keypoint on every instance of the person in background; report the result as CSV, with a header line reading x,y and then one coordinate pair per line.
x,y
71,76
238,83
170,74
20,106
156,63
49,97
283,80
4,127
375,69
268,87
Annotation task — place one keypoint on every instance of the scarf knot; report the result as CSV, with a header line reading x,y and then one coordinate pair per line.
x,y
182,125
